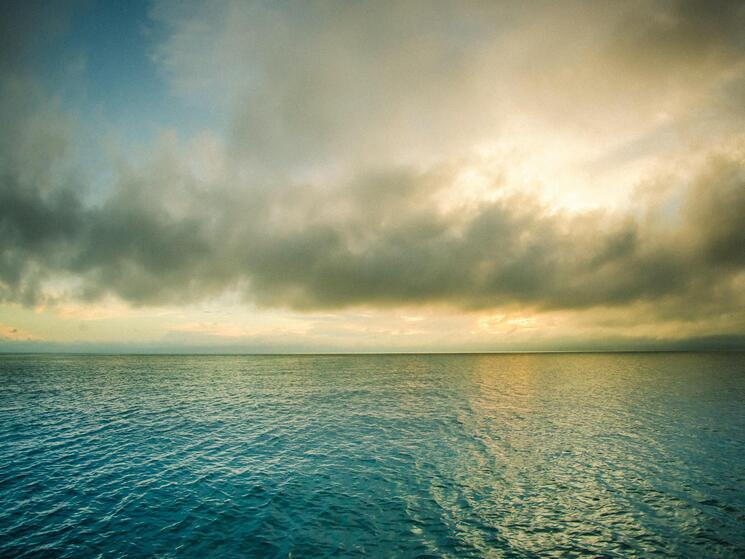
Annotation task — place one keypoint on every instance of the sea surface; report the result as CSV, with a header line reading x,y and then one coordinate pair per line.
x,y
519,455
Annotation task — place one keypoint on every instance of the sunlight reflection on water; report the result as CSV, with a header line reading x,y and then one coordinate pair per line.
x,y
619,455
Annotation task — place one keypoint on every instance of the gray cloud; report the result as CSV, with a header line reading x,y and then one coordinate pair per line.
x,y
376,238
377,233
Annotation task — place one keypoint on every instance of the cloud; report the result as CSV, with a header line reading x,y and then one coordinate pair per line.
x,y
10,334
309,85
375,238
339,182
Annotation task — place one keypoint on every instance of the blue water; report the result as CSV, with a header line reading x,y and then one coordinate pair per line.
x,y
626,455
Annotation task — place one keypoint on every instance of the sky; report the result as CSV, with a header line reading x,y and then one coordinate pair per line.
x,y
236,176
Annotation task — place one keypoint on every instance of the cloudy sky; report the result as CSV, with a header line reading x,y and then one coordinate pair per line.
x,y
372,176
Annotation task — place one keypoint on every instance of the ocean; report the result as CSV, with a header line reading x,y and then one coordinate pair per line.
x,y
507,455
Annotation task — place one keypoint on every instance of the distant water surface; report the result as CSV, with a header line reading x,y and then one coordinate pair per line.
x,y
572,455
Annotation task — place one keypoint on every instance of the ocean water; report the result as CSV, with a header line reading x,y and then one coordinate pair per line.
x,y
572,455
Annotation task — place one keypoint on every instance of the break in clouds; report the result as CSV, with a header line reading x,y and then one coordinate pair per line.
x,y
349,168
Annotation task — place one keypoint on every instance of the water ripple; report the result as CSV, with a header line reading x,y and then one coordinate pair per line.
x,y
344,456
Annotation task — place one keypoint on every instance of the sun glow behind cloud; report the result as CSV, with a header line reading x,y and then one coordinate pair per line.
x,y
377,176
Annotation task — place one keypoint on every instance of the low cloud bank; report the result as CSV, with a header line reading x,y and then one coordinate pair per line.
x,y
376,228
383,237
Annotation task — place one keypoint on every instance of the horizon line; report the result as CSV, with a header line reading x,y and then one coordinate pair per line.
x,y
368,353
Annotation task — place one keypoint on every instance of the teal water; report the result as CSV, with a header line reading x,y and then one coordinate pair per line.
x,y
575,455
